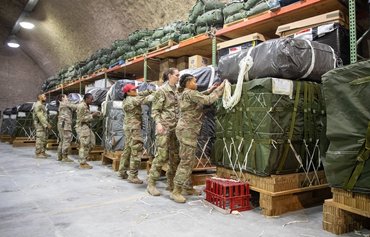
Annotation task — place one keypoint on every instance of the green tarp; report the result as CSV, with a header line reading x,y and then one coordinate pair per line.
x,y
347,91
254,135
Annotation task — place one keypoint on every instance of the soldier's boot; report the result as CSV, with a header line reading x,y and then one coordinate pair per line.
x,y
191,191
60,157
65,158
134,180
46,154
152,190
40,156
85,166
176,195
123,174
169,185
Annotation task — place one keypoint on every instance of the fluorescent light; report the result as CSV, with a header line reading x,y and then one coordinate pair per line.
x,y
27,25
13,44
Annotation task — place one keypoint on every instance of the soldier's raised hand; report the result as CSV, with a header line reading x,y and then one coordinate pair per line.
x,y
159,128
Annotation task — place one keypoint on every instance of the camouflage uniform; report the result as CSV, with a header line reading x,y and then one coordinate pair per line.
x,y
84,132
133,151
65,128
41,125
187,130
165,111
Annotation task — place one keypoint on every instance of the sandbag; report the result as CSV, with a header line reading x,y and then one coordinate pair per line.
x,y
232,8
346,92
283,58
240,15
264,6
202,6
211,18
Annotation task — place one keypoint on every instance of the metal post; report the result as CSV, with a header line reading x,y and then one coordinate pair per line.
x,y
105,80
80,88
145,68
352,31
214,51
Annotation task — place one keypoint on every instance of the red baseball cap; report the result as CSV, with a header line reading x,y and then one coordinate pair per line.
x,y
128,87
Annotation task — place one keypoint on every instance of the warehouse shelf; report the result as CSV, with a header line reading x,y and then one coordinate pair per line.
x,y
265,23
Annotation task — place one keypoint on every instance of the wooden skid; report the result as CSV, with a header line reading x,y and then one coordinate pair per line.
x,y
52,145
95,154
108,157
100,70
5,138
347,211
23,142
165,45
245,19
280,194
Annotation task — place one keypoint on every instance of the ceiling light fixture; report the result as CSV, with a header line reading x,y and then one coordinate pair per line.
x,y
27,25
13,44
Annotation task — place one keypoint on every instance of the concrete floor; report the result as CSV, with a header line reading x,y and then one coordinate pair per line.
x,y
49,198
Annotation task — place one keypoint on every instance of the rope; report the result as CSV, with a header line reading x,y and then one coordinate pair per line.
x,y
309,71
228,100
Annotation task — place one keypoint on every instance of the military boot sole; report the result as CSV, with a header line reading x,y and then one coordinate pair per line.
x,y
135,181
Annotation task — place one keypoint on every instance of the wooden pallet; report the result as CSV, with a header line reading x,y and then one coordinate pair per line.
x,y
103,69
5,138
162,46
96,153
280,194
347,211
198,176
246,19
52,145
111,157
23,142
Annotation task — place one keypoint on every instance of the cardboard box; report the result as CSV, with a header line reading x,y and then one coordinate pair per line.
x,y
182,63
236,45
330,17
198,61
165,64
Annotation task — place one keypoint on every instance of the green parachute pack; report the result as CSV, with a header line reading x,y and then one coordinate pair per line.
x,y
347,91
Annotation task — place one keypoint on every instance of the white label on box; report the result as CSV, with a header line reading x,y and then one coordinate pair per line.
x,y
94,108
6,116
305,34
235,49
282,87
13,116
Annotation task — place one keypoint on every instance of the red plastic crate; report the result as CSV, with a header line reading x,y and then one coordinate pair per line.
x,y
228,194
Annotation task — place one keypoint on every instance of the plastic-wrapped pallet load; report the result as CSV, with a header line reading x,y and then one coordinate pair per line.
x,y
52,110
287,58
346,93
276,127
113,126
24,121
6,122
99,95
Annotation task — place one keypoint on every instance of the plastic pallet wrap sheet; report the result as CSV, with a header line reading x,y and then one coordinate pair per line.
x,y
282,58
26,107
262,134
113,127
346,93
99,95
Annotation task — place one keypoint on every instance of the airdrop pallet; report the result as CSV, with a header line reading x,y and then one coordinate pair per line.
x,y
52,145
96,153
23,142
5,138
111,157
279,194
347,211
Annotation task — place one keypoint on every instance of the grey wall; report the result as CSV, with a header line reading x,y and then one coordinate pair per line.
x,y
20,78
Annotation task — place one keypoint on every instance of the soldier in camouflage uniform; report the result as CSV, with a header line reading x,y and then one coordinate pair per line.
x,y
83,129
66,109
188,127
165,113
41,125
133,151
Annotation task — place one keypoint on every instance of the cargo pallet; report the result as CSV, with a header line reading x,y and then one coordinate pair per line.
x,y
52,145
346,212
23,142
198,176
103,69
162,46
114,158
6,138
279,194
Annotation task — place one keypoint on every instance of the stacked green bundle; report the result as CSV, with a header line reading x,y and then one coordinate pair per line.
x,y
276,127
237,10
139,42
346,91
206,14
